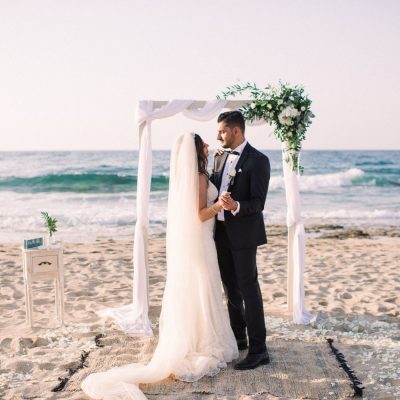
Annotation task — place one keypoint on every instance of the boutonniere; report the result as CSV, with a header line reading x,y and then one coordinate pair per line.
x,y
232,174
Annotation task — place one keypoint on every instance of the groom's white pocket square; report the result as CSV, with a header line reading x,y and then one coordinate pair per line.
x,y
240,170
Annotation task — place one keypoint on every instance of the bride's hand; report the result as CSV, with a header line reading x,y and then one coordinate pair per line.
x,y
218,152
218,205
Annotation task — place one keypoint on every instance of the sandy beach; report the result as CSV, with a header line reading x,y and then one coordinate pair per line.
x,y
352,285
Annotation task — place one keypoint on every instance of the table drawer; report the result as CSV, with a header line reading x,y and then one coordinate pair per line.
x,y
44,264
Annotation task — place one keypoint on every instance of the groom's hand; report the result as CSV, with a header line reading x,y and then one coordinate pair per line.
x,y
227,202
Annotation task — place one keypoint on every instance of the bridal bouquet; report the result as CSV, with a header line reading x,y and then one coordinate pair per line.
x,y
284,106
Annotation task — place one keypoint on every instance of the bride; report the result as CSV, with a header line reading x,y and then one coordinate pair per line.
x,y
195,337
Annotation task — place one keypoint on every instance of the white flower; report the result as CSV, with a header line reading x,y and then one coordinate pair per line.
x,y
280,102
287,112
284,119
291,111
269,106
289,134
295,112
253,105
291,98
303,108
232,174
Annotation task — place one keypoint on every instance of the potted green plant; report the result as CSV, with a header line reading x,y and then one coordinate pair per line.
x,y
51,225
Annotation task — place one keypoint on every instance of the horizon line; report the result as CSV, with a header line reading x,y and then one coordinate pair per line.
x,y
168,149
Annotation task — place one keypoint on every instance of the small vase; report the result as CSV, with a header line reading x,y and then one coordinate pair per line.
x,y
51,240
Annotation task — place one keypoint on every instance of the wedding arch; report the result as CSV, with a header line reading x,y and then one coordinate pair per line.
x,y
133,318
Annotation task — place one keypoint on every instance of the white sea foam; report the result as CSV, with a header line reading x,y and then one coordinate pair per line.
x,y
315,182
83,217
352,215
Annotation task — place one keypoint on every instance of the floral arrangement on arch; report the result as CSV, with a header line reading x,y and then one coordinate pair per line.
x,y
284,106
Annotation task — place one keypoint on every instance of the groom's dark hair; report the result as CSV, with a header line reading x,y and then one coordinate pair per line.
x,y
232,119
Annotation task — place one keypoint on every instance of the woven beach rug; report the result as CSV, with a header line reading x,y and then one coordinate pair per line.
x,y
298,370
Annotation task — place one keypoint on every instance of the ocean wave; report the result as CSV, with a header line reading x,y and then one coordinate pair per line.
x,y
373,163
386,171
79,183
121,182
350,177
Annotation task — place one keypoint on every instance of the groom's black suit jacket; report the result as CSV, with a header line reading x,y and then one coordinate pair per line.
x,y
250,186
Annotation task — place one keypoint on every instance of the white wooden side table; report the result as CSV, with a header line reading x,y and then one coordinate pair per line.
x,y
41,265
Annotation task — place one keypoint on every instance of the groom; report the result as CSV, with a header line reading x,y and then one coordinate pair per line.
x,y
242,177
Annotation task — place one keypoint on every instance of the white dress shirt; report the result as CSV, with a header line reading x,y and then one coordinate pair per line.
x,y
230,164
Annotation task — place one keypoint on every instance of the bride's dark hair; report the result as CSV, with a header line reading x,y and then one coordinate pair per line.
x,y
202,159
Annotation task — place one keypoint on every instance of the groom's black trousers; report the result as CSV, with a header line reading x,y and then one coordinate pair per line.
x,y
239,277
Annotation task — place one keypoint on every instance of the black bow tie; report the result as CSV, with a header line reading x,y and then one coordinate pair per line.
x,y
236,153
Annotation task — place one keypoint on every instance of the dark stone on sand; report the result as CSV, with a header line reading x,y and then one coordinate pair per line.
x,y
345,234
326,227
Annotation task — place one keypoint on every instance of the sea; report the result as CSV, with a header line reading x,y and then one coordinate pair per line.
x,y
93,194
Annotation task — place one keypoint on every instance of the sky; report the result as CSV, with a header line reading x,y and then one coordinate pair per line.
x,y
73,71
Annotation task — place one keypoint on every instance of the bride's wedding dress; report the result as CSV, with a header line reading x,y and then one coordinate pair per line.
x,y
195,337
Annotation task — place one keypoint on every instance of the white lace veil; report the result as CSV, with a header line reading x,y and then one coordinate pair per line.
x,y
185,321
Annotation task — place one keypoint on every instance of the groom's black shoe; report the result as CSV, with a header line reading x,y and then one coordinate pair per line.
x,y
253,361
242,344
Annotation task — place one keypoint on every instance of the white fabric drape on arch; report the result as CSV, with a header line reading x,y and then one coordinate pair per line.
x,y
296,242
133,318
